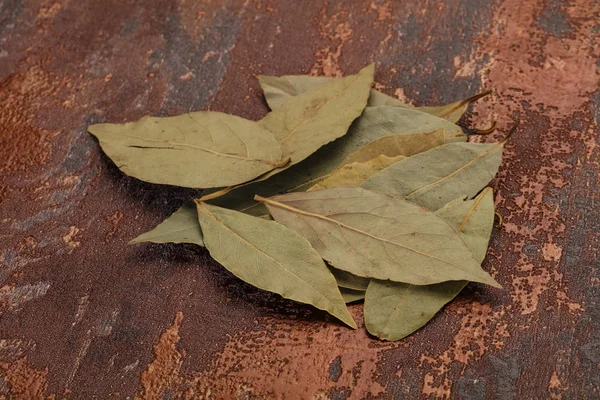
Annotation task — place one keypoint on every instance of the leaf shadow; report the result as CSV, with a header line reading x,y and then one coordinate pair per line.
x,y
170,259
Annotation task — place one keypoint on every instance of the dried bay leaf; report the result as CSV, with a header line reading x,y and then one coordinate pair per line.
x,y
351,296
306,122
473,220
318,166
395,310
181,227
454,111
199,150
378,99
271,257
394,120
435,177
347,280
318,116
375,235
387,323
355,174
407,145
278,89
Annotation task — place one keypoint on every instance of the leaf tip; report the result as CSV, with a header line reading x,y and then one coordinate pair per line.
x,y
477,97
349,321
512,130
138,239
491,281
368,70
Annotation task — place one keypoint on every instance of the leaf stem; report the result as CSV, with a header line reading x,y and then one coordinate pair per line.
x,y
475,131
216,194
512,130
467,101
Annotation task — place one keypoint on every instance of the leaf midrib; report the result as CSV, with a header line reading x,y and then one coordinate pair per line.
x,y
316,111
276,164
318,216
479,156
409,287
213,217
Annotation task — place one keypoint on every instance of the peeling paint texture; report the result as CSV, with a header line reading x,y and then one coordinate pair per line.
x,y
83,315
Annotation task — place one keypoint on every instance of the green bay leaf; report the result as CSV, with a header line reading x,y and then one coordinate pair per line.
x,y
199,150
271,257
180,227
375,235
435,177
395,310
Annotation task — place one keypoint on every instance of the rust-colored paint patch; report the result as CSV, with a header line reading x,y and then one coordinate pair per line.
x,y
336,30
479,331
23,382
282,362
23,142
555,387
294,362
161,378
69,238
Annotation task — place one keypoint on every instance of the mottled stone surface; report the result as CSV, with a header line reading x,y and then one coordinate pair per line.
x,y
83,315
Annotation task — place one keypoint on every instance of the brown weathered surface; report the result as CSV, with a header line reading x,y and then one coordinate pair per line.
x,y
83,316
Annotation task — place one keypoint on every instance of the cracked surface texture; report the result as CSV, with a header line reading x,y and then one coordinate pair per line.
x,y
83,315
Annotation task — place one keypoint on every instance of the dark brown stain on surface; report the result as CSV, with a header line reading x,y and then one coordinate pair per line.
x,y
83,314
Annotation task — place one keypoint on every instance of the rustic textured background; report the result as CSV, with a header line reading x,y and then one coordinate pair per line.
x,y
83,315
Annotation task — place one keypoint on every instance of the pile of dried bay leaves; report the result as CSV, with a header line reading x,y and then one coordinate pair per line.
x,y
340,194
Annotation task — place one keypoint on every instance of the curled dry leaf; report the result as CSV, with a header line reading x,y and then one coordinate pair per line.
x,y
375,235
198,150
278,89
355,174
395,310
454,111
394,120
181,227
406,144
317,167
379,99
312,119
349,281
271,257
435,177
351,296
318,116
